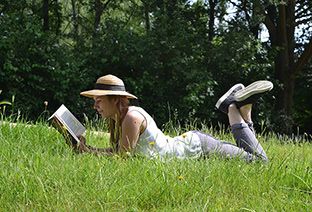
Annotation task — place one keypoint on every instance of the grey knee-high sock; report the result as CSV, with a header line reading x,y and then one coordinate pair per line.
x,y
247,140
251,127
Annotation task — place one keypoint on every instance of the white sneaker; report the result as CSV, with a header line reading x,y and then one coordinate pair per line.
x,y
228,98
248,94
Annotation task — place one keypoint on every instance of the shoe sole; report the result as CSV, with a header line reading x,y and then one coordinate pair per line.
x,y
219,102
257,87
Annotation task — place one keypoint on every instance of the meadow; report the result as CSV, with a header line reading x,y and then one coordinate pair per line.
x,y
39,172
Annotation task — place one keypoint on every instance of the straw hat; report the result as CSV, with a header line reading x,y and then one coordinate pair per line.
x,y
108,85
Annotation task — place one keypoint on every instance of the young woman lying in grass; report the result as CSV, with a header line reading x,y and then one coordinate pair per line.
x,y
133,130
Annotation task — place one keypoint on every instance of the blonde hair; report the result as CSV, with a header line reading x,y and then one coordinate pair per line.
x,y
115,130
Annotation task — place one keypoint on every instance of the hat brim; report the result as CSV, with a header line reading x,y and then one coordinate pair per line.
x,y
95,93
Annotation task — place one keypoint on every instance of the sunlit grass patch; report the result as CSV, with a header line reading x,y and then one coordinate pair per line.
x,y
40,172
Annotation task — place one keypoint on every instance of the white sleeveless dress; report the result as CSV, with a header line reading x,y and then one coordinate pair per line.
x,y
154,144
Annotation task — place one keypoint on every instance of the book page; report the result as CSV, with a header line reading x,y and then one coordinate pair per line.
x,y
69,121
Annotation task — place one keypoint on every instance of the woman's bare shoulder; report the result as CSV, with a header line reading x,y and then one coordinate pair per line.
x,y
134,114
134,121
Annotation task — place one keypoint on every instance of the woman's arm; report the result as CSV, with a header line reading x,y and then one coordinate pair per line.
x,y
131,128
83,147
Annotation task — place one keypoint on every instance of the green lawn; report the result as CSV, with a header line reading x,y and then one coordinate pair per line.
x,y
39,172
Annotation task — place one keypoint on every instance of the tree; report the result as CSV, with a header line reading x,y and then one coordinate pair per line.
x,y
292,52
281,21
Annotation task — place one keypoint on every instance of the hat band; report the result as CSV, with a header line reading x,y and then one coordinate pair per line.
x,y
110,87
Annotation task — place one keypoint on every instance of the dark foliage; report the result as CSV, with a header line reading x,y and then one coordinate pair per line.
x,y
164,51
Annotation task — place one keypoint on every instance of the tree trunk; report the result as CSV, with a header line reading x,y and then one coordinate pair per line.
x,y
58,14
99,7
211,30
45,15
281,32
98,13
291,77
146,16
75,19
256,12
282,59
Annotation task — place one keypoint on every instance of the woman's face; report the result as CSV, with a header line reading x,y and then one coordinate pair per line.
x,y
105,106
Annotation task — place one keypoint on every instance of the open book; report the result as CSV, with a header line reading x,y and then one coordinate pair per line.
x,y
68,125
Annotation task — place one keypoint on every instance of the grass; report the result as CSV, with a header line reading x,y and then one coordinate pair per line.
x,y
39,172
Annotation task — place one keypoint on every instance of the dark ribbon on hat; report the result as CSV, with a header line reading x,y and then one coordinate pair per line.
x,y
109,87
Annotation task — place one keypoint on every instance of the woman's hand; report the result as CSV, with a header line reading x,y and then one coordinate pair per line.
x,y
82,147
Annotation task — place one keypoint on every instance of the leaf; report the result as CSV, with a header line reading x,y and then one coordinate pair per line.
x,y
5,103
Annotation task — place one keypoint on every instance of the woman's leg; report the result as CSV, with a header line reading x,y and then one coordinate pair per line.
x,y
212,146
245,112
240,119
244,136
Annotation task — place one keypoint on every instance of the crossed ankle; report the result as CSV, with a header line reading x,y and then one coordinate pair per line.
x,y
245,112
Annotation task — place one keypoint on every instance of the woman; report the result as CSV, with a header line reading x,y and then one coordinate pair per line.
x,y
133,130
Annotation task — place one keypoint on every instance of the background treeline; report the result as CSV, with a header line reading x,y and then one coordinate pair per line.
x,y
177,56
